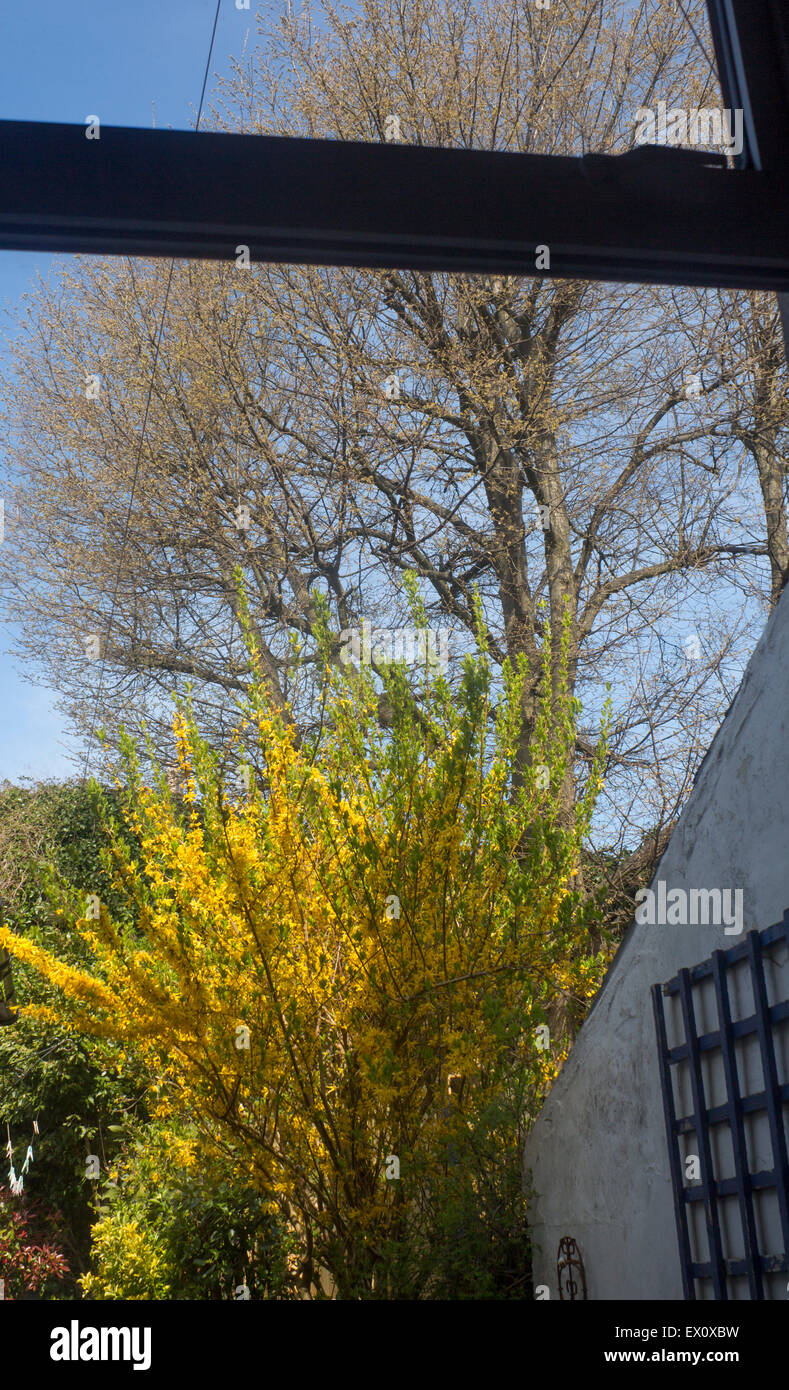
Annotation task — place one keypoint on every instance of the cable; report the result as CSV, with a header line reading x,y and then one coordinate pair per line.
x,y
40,1057
699,44
127,523
125,535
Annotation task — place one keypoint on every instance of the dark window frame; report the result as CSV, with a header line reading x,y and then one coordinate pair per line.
x,y
653,215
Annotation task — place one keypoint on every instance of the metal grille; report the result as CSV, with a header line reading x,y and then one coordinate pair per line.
x,y
724,1069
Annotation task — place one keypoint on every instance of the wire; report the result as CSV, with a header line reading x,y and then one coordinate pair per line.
x,y
59,1042
699,44
142,437
40,1057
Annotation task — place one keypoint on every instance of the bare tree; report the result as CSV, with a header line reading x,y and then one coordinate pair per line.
x,y
542,442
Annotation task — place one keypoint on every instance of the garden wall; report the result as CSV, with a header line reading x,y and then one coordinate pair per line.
x,y
597,1153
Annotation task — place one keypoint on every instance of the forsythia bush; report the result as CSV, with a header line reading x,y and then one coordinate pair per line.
x,y
346,972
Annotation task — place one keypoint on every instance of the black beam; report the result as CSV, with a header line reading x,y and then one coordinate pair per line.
x,y
654,215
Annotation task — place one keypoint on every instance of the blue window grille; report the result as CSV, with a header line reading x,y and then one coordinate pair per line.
x,y
723,1048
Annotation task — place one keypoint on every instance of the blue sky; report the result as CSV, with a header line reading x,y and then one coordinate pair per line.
x,y
129,62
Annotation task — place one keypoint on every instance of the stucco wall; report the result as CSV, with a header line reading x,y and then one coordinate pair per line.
x,y
597,1153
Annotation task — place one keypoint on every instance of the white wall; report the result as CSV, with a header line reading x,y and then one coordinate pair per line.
x,y
597,1153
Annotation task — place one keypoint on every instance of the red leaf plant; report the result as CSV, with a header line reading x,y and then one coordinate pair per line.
x,y
29,1253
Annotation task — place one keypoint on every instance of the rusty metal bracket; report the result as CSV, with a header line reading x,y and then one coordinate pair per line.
x,y
570,1269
